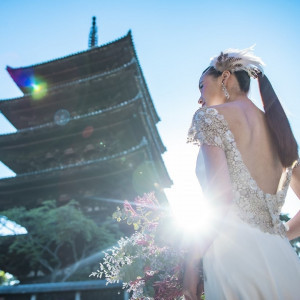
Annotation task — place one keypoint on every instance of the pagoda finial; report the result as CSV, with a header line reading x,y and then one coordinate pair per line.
x,y
93,37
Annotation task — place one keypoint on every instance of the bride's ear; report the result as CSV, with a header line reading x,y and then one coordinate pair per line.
x,y
225,76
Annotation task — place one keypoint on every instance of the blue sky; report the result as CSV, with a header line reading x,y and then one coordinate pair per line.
x,y
174,41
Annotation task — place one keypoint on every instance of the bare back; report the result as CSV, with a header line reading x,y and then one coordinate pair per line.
x,y
252,136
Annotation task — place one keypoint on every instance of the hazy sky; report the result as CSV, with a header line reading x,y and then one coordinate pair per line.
x,y
174,41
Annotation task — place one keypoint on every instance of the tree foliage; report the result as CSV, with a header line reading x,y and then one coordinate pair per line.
x,y
57,238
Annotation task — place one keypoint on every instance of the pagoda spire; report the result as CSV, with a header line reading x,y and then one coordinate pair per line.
x,y
93,37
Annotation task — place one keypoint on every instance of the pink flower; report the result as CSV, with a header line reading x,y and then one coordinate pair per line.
x,y
142,242
147,268
128,207
148,200
152,225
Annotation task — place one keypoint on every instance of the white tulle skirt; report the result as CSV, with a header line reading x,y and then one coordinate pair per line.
x,y
246,263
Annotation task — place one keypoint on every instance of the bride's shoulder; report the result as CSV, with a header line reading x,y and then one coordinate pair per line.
x,y
231,113
229,109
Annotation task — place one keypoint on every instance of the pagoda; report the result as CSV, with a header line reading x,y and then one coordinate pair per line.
x,y
86,130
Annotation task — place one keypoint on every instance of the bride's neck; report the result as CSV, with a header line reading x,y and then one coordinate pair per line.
x,y
239,97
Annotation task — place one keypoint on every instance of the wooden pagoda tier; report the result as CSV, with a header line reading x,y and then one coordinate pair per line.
x,y
94,183
77,66
86,129
97,133
86,81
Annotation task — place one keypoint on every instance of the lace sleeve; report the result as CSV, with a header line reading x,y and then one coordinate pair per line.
x,y
208,127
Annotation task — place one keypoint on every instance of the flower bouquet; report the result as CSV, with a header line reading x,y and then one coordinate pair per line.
x,y
149,263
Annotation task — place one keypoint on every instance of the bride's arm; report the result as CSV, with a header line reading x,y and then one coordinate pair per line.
x,y
218,192
294,223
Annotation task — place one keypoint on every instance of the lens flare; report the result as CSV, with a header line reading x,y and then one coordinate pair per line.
x,y
62,117
193,214
38,88
27,80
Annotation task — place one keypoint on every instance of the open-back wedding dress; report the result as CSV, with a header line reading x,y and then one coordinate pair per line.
x,y
251,257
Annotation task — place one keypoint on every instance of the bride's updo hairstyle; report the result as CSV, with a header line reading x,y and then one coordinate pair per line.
x,y
243,65
241,76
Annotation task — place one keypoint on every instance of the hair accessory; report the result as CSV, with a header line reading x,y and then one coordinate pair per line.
x,y
225,91
236,60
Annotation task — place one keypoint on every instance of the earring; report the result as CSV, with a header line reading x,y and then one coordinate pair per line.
x,y
227,96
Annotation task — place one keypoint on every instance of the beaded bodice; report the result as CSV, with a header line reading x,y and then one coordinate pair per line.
x,y
250,203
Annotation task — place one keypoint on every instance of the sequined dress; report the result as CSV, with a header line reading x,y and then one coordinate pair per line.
x,y
251,257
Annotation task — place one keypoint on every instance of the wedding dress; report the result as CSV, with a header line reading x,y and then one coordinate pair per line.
x,y
251,257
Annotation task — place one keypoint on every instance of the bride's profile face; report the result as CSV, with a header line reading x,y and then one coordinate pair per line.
x,y
210,90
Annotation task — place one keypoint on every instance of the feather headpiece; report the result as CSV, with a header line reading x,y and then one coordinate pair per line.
x,y
236,60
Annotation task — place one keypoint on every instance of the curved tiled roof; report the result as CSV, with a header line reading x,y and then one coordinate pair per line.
x,y
56,88
131,56
53,170
94,113
142,144
70,56
74,66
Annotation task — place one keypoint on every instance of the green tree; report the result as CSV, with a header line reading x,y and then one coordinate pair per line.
x,y
57,238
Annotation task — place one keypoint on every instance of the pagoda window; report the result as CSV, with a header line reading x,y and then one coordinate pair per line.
x,y
49,155
89,209
69,151
89,193
102,208
89,147
64,197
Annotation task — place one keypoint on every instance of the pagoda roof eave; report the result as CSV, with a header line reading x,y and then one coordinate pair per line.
x,y
64,171
12,136
76,166
52,70
53,124
55,89
73,54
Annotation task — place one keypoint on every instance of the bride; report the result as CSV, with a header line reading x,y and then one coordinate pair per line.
x,y
250,159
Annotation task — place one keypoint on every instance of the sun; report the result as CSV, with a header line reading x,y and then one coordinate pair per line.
x,y
192,213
